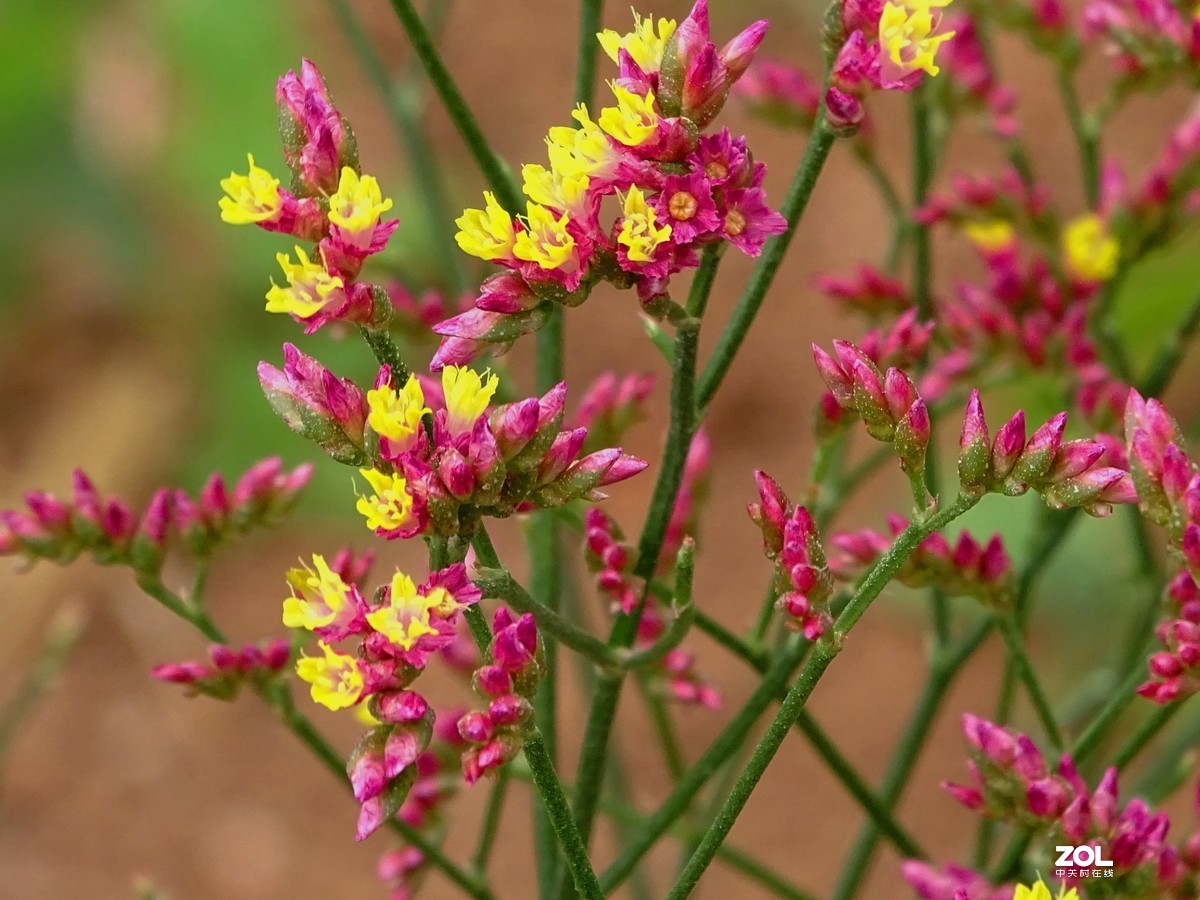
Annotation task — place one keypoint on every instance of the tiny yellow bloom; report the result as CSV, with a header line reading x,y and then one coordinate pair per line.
x,y
357,205
487,233
309,286
317,597
1039,891
633,120
390,507
644,44
576,152
545,240
551,187
991,236
906,33
467,396
640,232
253,197
396,415
1089,249
337,681
405,619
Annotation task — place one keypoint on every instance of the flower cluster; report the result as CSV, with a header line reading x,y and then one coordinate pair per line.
x,y
1168,486
112,533
612,560
1147,39
611,405
888,403
227,669
438,469
678,190
882,45
1013,783
791,542
395,635
507,681
331,204
1065,473
951,882
964,568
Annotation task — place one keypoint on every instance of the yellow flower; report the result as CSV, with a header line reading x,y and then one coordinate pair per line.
x,y
337,681
639,231
1039,891
390,507
551,187
405,618
633,120
1090,251
991,236
545,240
357,205
581,151
487,233
317,597
906,33
309,286
396,415
253,197
467,396
644,44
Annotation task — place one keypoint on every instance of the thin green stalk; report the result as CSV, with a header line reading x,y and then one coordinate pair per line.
x,y
497,173
1086,138
1119,701
680,431
894,206
426,175
498,583
942,672
570,841
1170,354
491,823
702,281
833,758
664,729
726,744
478,626
1017,653
386,352
1144,734
820,142
823,654
589,47
922,174
62,634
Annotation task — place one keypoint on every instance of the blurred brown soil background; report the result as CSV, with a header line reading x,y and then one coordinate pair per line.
x,y
116,775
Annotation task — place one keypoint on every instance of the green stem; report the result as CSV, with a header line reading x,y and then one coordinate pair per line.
x,y
823,654
499,584
702,281
1119,701
426,175
63,633
478,626
726,744
589,47
1169,355
837,763
571,842
1024,668
1145,733
1086,138
498,175
491,823
815,153
942,672
922,174
680,430
386,352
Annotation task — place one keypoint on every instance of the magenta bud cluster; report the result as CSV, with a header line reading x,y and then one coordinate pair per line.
x,y
108,529
227,668
962,568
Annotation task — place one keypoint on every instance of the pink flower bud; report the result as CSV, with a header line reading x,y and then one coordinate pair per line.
x,y
974,454
510,709
456,474
739,52
1006,449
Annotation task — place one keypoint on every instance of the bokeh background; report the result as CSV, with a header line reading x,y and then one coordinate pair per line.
x,y
130,326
